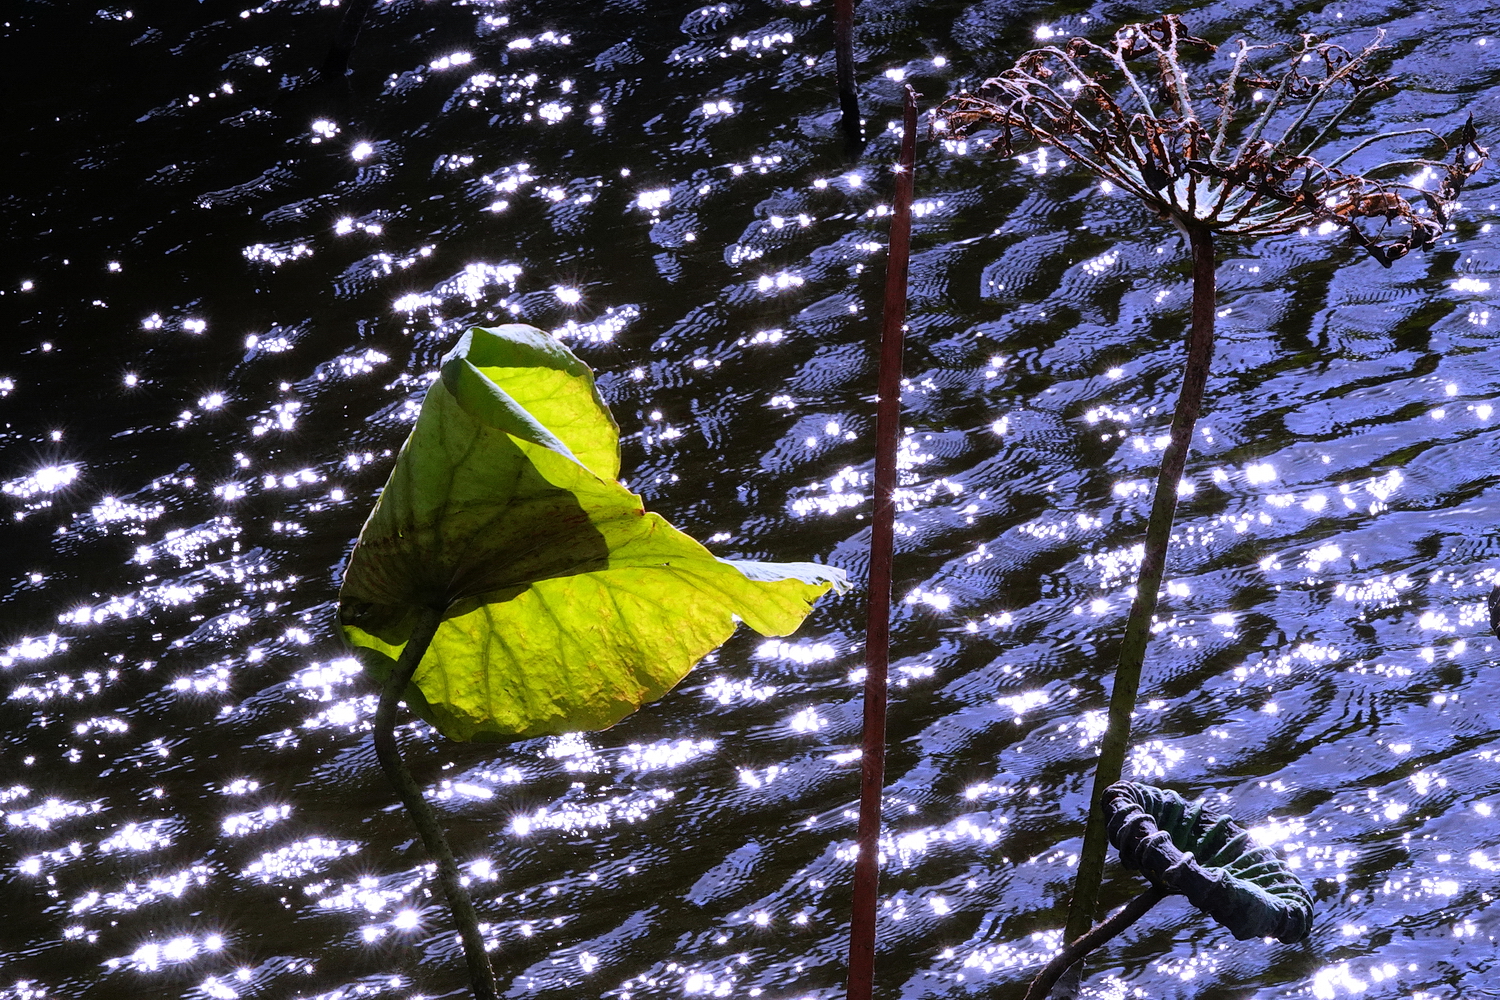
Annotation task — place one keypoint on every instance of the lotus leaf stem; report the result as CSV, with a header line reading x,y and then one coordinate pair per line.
x,y
1094,938
882,546
417,807
1138,626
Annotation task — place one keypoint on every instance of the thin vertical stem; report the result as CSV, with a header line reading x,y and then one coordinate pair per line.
x,y
480,974
882,545
843,54
1138,626
336,63
1095,938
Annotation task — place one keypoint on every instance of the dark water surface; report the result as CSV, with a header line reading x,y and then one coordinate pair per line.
x,y
219,316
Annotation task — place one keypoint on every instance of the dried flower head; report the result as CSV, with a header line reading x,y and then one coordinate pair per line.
x,y
1229,149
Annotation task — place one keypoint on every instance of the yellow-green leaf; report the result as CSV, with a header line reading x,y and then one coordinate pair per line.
x,y
565,604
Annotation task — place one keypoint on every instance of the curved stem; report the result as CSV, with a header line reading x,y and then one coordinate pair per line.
x,y
882,548
1138,626
1095,938
421,812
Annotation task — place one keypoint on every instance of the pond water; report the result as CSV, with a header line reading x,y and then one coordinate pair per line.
x,y
222,310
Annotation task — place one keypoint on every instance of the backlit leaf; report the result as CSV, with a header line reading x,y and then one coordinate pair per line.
x,y
565,604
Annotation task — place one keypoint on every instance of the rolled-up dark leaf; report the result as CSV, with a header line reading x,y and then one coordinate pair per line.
x,y
1210,859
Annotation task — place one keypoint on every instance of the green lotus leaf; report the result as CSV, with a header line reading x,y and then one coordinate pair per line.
x,y
564,604
1209,858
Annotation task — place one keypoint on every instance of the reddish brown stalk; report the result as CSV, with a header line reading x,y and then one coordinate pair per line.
x,y
882,545
1200,350
843,54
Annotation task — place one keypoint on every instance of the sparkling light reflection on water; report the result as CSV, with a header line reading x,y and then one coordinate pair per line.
x,y
227,314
